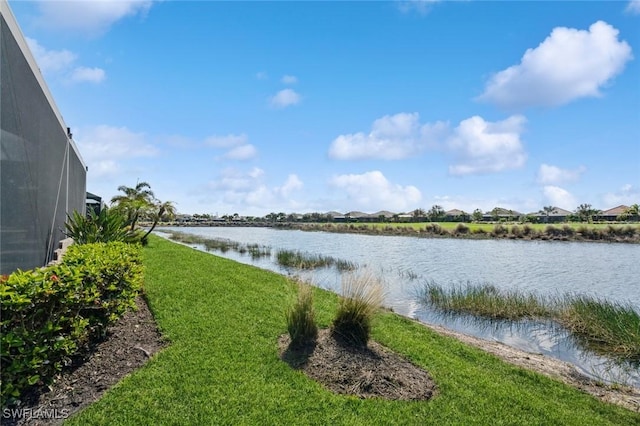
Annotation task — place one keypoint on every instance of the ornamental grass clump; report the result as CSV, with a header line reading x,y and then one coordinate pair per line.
x,y
301,323
362,296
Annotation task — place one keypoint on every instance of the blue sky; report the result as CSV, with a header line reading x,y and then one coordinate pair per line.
x,y
258,107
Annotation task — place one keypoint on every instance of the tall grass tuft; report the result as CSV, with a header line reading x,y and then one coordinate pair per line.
x,y
362,296
301,323
301,260
484,300
603,326
461,229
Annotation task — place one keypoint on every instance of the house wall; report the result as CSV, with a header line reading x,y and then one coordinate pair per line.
x,y
42,175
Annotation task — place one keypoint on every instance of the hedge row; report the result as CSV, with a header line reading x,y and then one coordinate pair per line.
x,y
50,314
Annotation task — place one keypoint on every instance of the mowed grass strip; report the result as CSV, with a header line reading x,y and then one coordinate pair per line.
x,y
222,367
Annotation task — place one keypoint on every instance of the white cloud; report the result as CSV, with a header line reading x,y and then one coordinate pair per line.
x,y
61,62
285,98
633,7
372,191
567,65
104,148
50,60
243,152
247,191
478,146
239,148
233,180
628,194
555,175
481,146
421,6
262,75
227,141
92,75
392,137
289,79
293,183
559,197
88,17
104,168
256,173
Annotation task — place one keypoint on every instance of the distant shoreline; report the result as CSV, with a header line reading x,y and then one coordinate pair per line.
x,y
575,232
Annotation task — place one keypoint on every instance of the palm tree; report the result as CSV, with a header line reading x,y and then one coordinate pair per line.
x,y
585,212
546,211
134,202
419,213
436,213
633,211
477,215
164,210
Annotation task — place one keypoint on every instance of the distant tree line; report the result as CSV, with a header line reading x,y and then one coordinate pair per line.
x,y
583,213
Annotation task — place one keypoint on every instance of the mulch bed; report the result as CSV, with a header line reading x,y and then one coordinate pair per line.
x,y
128,345
366,372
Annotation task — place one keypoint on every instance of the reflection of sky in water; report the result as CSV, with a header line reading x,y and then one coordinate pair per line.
x,y
405,263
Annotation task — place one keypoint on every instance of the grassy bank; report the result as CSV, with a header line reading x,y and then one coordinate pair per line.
x,y
223,319
512,231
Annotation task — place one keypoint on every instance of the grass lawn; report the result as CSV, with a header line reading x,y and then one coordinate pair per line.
x,y
223,319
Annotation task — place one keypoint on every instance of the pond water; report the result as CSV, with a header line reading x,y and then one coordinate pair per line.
x,y
405,264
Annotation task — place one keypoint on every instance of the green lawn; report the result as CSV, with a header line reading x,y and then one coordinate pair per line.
x,y
223,319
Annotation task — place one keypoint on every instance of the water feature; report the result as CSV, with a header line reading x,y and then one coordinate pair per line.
x,y
609,271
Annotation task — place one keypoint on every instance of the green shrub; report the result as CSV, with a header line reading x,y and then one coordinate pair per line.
x,y
362,296
50,314
301,323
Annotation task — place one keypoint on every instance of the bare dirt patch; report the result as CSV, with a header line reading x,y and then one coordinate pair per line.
x,y
366,372
128,345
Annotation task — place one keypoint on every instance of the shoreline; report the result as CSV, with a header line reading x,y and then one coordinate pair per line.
x,y
625,396
612,233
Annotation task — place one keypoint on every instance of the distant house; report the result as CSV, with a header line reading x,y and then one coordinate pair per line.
x,y
501,214
383,215
612,214
405,217
557,215
94,203
456,215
